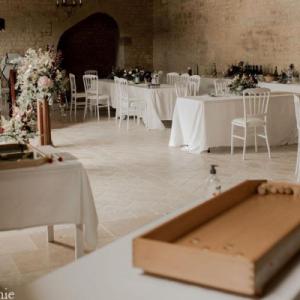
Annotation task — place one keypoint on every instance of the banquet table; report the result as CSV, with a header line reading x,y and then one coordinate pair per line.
x,y
281,87
204,122
108,274
47,195
160,101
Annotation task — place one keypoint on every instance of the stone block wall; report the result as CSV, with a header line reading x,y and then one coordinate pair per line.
x,y
36,23
190,32
170,34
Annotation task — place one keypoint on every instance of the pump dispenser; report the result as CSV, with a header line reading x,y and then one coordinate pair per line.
x,y
213,182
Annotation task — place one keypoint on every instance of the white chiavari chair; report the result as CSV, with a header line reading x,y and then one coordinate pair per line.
x,y
128,106
93,96
255,103
91,72
75,95
172,78
194,85
117,96
221,87
185,77
196,79
181,89
297,112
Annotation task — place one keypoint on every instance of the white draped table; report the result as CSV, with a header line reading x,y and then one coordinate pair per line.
x,y
108,274
50,194
203,122
160,102
281,87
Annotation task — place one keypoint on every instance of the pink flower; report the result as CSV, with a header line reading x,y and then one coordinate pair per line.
x,y
45,82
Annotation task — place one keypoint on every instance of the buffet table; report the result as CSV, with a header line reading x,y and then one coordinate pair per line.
x,y
108,274
50,194
203,122
160,102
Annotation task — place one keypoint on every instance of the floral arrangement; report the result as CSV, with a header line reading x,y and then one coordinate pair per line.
x,y
38,77
132,74
20,128
242,82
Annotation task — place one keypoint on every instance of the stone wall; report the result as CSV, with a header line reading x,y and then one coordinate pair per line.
x,y
36,23
184,32
190,32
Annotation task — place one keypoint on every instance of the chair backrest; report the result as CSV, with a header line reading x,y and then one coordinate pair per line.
x,y
297,109
172,78
221,87
256,102
192,88
182,89
194,84
91,85
72,83
184,77
123,89
91,72
117,90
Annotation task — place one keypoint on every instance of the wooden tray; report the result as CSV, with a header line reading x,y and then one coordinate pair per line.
x,y
234,242
13,156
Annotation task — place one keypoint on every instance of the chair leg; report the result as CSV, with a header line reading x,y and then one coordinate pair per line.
x,y
267,141
71,106
245,142
75,110
232,145
120,119
98,114
85,109
108,109
255,139
127,120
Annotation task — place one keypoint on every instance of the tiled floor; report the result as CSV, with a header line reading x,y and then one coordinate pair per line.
x,y
135,178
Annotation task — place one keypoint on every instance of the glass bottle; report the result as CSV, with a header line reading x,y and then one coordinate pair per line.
x,y
213,183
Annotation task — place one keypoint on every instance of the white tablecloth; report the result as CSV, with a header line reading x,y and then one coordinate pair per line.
x,y
50,194
204,122
281,87
160,102
107,274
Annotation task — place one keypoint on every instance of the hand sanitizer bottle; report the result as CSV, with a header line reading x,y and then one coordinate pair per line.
x,y
213,183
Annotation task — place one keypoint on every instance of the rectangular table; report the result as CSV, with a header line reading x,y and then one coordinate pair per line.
x,y
204,122
160,102
281,87
108,274
47,195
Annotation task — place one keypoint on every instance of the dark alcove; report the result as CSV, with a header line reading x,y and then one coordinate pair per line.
x,y
91,44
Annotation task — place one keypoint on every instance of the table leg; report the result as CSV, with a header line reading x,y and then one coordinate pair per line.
x,y
79,241
50,233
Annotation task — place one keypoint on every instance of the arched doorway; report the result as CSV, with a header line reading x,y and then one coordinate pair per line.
x,y
91,44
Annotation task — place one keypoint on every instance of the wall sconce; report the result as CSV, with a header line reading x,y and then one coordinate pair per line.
x,y
2,24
